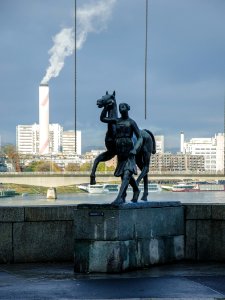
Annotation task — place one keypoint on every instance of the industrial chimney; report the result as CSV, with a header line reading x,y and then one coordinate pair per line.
x,y
43,119
182,142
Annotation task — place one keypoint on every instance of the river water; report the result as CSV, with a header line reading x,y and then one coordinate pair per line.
x,y
78,198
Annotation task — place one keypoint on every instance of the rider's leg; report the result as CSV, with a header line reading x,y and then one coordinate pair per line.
x,y
125,182
136,190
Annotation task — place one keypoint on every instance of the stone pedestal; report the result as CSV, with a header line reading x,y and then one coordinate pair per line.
x,y
119,238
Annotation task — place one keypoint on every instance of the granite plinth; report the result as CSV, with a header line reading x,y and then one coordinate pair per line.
x,y
111,238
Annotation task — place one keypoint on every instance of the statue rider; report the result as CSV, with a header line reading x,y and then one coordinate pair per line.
x,y
126,150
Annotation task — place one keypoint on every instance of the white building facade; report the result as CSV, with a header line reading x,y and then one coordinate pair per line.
x,y
68,142
211,148
27,138
159,139
55,138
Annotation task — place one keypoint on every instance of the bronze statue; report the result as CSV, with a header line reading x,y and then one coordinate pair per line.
x,y
119,141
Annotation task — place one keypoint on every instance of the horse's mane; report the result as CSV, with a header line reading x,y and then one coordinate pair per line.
x,y
113,113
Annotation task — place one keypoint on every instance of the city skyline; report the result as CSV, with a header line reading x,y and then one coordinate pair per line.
x,y
185,71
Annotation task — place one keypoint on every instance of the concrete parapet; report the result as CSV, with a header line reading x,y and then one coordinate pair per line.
x,y
6,250
205,232
113,239
126,237
49,213
11,214
43,241
36,234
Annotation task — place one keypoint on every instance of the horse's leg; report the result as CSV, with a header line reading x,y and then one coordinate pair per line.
x,y
144,173
145,194
105,156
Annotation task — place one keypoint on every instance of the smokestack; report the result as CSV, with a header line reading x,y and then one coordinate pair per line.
x,y
43,119
182,142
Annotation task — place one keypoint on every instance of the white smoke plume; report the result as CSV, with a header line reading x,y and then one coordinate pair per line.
x,y
63,46
92,17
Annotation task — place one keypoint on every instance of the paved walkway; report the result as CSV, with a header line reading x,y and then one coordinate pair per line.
x,y
57,281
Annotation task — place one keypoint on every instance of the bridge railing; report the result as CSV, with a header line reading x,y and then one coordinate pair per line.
x,y
87,173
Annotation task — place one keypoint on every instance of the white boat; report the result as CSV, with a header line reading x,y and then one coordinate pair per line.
x,y
152,187
7,193
100,188
198,187
185,187
114,188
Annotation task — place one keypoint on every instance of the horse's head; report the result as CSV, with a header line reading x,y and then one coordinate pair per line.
x,y
107,100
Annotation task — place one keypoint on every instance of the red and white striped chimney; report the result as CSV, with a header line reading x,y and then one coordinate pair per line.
x,y
43,119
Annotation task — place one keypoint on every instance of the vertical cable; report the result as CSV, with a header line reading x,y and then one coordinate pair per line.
x,y
75,75
224,136
146,54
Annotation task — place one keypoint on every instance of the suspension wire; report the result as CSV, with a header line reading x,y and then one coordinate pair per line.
x,y
146,55
75,75
224,135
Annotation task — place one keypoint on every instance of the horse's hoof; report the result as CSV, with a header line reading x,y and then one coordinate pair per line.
x,y
144,198
134,200
92,180
118,201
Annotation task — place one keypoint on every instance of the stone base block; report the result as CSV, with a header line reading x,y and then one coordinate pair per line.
x,y
116,239
119,256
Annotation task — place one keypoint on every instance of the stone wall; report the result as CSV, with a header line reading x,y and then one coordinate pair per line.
x,y
36,234
205,232
156,234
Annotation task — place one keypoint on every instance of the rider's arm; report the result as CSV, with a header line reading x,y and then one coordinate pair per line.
x,y
139,141
104,118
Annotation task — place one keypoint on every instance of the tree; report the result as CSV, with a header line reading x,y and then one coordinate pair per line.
x,y
31,167
10,151
42,166
72,167
85,167
101,167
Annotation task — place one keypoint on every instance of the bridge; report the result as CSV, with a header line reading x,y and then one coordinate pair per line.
x,y
52,179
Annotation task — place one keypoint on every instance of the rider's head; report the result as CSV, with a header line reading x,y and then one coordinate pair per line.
x,y
124,107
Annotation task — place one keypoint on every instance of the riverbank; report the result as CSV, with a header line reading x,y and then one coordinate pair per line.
x,y
40,190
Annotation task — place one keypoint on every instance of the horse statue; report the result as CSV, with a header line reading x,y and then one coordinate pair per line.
x,y
143,155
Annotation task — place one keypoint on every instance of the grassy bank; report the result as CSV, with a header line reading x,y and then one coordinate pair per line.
x,y
30,189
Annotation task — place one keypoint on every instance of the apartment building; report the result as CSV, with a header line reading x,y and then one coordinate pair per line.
x,y
212,149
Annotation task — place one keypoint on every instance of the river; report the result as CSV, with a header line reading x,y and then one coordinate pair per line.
x,y
78,198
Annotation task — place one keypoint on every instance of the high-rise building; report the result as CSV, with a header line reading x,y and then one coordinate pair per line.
x,y
68,142
211,148
27,138
55,138
159,139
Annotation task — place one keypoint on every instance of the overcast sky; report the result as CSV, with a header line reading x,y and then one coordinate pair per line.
x,y
186,66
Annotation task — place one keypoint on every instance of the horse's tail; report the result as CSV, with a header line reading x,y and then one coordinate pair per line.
x,y
153,141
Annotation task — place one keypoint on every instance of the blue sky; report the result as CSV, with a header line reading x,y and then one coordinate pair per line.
x,y
186,66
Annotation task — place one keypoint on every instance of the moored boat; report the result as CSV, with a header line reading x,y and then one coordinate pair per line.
x,y
114,188
100,188
152,187
185,187
7,193
198,187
